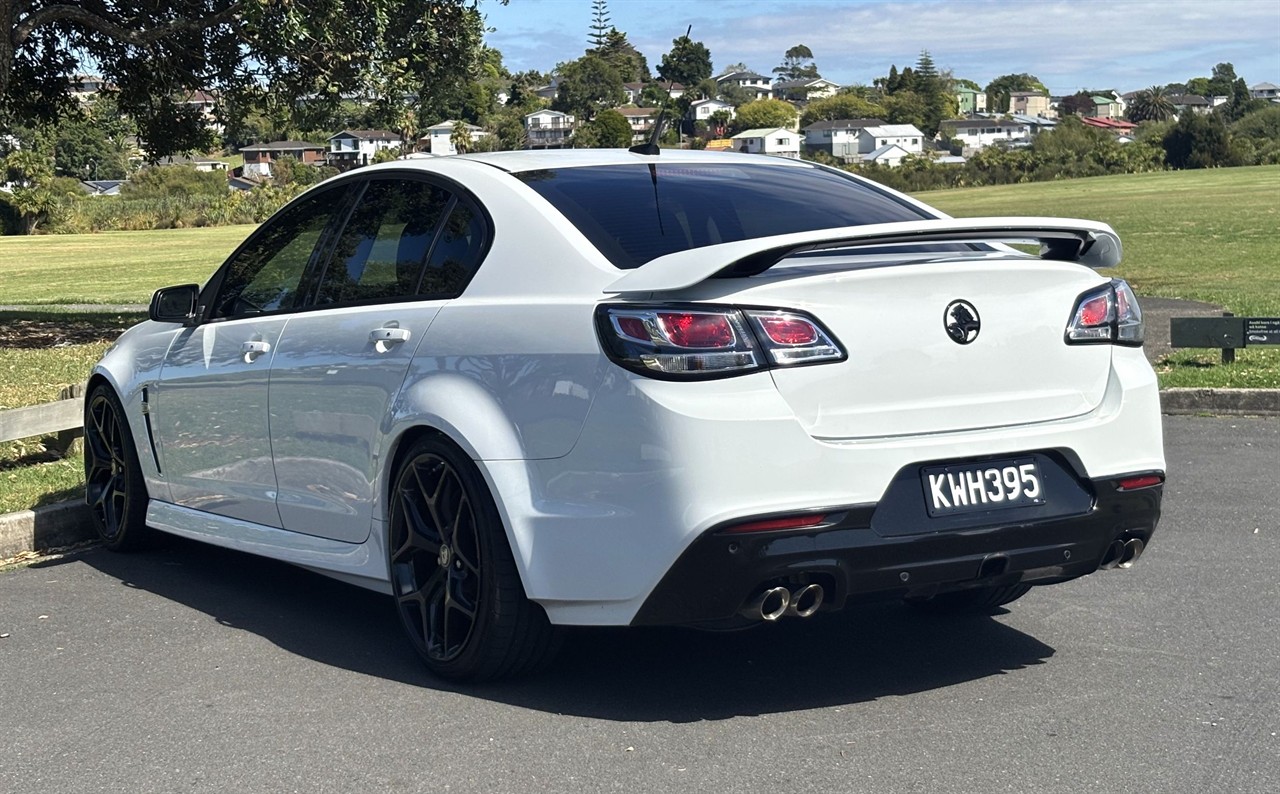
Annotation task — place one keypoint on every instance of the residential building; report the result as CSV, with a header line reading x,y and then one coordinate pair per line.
x,y
1190,103
1030,103
971,101
974,134
259,157
1036,124
548,129
1118,126
354,148
1106,106
758,84
777,141
891,155
199,163
641,121
204,102
102,187
804,90
856,140
439,137
633,91
704,109
548,91
86,86
1268,91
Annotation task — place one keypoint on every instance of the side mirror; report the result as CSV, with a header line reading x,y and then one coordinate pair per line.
x,y
175,304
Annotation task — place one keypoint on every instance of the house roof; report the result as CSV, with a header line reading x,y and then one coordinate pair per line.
x,y
1026,93
1034,121
283,146
1188,100
740,76
845,124
1109,124
1265,87
884,151
894,131
368,135
1103,100
982,122
449,124
720,102
662,85
762,132
637,112
102,187
803,83
547,112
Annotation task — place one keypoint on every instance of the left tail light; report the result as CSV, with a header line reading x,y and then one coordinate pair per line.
x,y
698,342
1109,314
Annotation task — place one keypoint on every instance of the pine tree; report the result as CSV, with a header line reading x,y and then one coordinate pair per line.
x,y
600,24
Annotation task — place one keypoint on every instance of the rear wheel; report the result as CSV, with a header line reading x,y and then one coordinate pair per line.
x,y
114,489
978,599
453,577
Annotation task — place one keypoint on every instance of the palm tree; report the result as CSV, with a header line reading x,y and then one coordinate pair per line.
x,y
1152,104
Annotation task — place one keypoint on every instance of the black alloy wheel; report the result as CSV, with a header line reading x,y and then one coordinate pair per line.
x,y
114,488
454,580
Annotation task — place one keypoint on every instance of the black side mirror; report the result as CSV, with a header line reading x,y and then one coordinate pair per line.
x,y
175,304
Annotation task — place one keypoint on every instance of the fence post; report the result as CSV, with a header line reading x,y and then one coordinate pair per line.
x,y
65,439
1228,353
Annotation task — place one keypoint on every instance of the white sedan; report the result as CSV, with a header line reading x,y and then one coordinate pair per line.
x,y
525,390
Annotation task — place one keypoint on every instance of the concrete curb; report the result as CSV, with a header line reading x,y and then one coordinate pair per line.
x,y
65,523
45,527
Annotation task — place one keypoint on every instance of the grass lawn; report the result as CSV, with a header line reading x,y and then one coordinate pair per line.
x,y
1200,235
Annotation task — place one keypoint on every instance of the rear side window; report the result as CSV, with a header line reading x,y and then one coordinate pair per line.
x,y
384,246
635,213
456,254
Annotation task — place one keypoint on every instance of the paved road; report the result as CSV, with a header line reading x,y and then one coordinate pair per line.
x,y
194,669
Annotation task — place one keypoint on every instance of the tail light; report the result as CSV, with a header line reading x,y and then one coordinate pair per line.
x,y
1108,314
702,342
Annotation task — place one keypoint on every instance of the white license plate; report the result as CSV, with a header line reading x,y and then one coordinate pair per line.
x,y
975,487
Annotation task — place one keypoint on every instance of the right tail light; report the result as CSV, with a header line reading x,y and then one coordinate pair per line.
x,y
1108,314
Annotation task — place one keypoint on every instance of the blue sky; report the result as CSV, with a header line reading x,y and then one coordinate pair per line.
x,y
1123,44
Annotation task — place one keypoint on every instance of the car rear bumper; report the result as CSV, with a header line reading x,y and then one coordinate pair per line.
x,y
722,571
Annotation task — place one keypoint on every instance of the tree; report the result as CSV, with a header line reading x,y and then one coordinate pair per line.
x,y
600,26
1198,141
1078,104
998,90
36,193
765,114
609,130
1151,104
688,62
906,107
841,106
249,54
797,64
460,137
619,53
587,86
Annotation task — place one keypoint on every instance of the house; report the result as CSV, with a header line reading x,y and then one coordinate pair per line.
x,y
704,109
548,129
439,137
204,102
354,148
891,155
841,138
85,87
199,163
778,141
641,121
906,136
804,90
1106,106
102,187
970,100
259,157
1117,126
980,133
548,91
1035,124
1030,103
1190,103
633,91
757,84
1267,91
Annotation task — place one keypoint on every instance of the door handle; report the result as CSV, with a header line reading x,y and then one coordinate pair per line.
x,y
390,336
254,348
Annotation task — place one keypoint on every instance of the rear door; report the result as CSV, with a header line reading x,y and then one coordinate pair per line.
x,y
210,412
408,248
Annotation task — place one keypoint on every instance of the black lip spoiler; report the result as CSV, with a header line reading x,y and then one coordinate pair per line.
x,y
1066,239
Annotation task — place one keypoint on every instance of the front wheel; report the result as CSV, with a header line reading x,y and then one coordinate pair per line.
x,y
114,488
453,577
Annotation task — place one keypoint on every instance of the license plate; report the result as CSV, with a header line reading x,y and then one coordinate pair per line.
x,y
975,487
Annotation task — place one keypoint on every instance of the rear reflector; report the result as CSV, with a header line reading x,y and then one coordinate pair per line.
x,y
788,522
1139,481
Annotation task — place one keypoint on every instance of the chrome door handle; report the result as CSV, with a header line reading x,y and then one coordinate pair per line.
x,y
254,348
389,336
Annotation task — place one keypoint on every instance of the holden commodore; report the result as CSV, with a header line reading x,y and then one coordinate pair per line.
x,y
526,390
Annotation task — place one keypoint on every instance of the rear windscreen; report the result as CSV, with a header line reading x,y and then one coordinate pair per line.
x,y
635,213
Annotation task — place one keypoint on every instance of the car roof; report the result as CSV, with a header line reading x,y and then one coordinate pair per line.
x,y
535,160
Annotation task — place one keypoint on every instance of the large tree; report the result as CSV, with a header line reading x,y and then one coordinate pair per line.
x,y
1151,104
688,62
587,86
600,26
249,53
998,89
797,64
622,55
765,114
841,106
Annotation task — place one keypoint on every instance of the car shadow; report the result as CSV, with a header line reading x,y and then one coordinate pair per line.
x,y
645,675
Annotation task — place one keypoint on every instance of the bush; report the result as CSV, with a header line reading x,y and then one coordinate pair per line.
x,y
158,182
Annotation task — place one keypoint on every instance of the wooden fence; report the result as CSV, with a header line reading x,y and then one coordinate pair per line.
x,y
63,418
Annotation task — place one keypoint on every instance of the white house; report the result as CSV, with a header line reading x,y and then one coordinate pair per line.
x,y
890,155
804,90
779,141
839,138
548,129
704,109
352,148
758,84
440,136
641,121
980,133
1268,91
634,90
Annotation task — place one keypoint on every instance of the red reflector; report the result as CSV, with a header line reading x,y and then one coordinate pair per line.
x,y
1095,312
697,330
789,522
634,328
788,330
1141,481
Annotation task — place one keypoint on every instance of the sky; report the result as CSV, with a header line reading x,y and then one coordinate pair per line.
x,y
1070,46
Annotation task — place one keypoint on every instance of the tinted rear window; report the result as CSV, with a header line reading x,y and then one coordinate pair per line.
x,y
635,213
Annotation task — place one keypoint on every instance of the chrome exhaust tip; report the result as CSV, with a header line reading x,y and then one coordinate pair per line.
x,y
769,605
1132,551
1115,553
805,601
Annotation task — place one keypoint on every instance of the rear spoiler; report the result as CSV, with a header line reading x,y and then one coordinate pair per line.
x,y
1087,242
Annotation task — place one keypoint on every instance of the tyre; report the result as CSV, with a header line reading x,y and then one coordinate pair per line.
x,y
978,599
114,488
455,583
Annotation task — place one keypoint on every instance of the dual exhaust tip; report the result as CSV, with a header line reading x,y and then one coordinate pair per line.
x,y
778,602
1123,554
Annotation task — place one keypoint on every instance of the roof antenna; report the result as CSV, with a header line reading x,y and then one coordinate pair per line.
x,y
650,146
